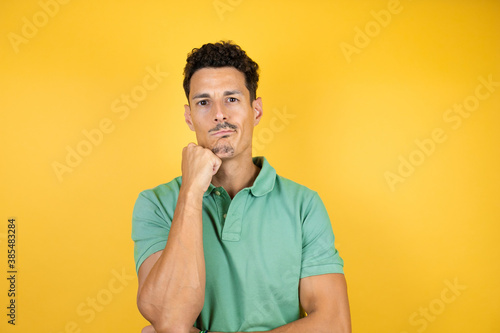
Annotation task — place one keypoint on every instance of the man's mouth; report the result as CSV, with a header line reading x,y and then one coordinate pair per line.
x,y
223,133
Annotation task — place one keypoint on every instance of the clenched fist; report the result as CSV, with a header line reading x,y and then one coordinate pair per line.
x,y
198,166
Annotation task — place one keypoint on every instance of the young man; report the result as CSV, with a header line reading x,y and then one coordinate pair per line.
x,y
246,248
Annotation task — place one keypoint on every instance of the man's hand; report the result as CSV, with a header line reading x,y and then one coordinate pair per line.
x,y
198,167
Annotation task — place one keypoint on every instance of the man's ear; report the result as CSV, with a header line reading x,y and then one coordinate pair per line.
x,y
187,117
257,109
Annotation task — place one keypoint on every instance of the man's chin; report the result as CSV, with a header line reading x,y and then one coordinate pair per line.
x,y
223,151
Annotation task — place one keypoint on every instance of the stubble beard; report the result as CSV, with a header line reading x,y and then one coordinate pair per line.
x,y
223,150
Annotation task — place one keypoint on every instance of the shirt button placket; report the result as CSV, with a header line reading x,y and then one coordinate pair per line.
x,y
221,206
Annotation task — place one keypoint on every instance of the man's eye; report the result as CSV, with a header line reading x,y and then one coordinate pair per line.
x,y
203,102
232,99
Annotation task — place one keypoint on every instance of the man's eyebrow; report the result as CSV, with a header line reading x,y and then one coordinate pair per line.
x,y
202,95
232,92
226,93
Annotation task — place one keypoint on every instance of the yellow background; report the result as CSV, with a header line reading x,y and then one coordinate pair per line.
x,y
350,120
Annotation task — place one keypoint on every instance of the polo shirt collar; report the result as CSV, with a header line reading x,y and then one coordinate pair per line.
x,y
264,183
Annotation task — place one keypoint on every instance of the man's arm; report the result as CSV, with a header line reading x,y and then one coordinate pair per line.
x,y
324,298
172,282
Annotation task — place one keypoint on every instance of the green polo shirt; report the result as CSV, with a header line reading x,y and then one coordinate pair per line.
x,y
257,247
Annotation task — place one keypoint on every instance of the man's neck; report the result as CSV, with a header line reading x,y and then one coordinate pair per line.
x,y
236,174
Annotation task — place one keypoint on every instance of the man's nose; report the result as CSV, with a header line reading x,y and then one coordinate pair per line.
x,y
220,113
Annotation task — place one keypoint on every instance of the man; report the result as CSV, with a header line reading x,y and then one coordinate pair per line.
x,y
246,249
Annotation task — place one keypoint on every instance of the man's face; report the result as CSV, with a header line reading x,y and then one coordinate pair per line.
x,y
220,111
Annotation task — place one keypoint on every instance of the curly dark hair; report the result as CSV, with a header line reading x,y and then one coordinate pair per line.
x,y
222,54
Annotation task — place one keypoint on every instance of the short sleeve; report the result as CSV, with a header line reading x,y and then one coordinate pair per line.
x,y
150,227
319,255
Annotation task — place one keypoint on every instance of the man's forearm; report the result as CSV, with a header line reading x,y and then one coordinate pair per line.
x,y
173,293
314,323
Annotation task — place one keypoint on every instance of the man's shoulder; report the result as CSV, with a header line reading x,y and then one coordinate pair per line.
x,y
287,186
164,191
291,183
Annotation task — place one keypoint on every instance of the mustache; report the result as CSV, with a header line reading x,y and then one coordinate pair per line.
x,y
223,125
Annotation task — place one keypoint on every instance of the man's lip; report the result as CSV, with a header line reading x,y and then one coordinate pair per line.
x,y
222,133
